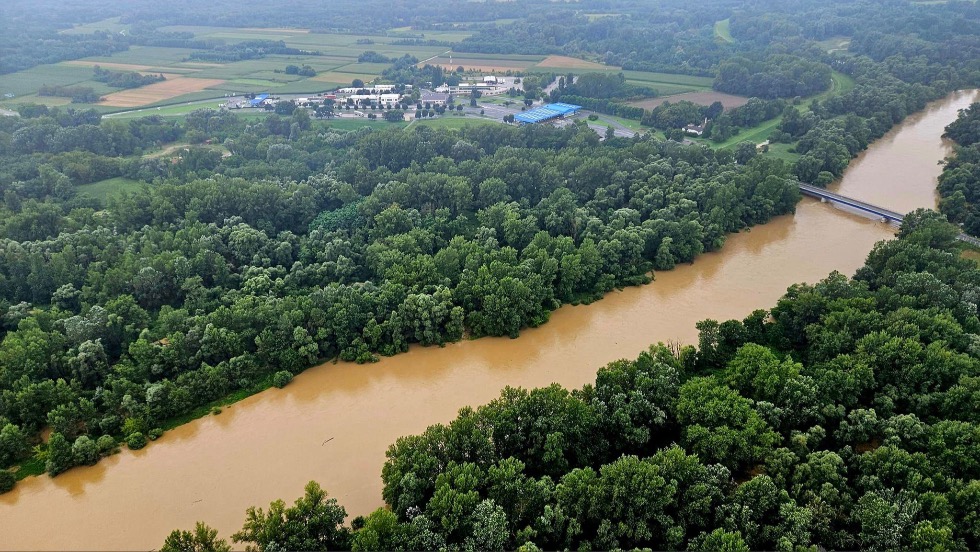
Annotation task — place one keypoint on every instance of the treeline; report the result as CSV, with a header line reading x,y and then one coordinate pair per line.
x,y
609,107
125,79
119,316
665,39
721,124
371,56
776,76
959,183
304,70
248,49
602,86
78,94
835,130
844,417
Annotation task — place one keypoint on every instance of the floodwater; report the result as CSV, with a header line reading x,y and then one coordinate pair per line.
x,y
905,178
334,422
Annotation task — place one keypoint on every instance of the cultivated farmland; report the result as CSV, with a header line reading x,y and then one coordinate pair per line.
x,y
701,98
170,88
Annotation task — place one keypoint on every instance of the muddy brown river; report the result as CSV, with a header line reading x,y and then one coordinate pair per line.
x,y
334,422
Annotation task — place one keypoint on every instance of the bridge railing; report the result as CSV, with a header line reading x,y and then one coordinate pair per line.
x,y
879,212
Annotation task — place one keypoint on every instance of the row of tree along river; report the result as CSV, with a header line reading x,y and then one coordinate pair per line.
x,y
334,422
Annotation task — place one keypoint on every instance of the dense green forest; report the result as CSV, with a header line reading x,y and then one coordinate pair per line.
x,y
959,184
249,249
846,416
121,314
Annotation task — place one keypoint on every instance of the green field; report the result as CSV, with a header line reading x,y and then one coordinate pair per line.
x,y
781,151
28,81
336,64
109,188
170,111
840,83
454,121
722,30
112,25
354,124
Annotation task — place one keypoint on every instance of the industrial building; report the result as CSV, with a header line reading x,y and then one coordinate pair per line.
x,y
546,113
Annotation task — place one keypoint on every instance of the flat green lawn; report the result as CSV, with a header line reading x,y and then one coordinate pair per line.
x,y
112,25
835,44
169,111
669,78
757,134
722,30
454,121
109,188
154,56
30,80
781,151
635,126
665,89
840,83
361,122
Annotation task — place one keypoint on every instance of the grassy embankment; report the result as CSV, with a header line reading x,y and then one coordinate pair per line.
x,y
722,30
840,83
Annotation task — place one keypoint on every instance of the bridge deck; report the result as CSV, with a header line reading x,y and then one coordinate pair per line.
x,y
878,212
867,208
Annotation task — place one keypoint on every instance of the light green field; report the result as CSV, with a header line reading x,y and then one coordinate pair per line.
x,y
781,151
835,44
336,65
635,126
238,84
28,81
839,83
169,111
595,16
363,68
154,56
354,124
757,134
666,89
112,25
498,57
109,188
454,121
670,78
343,78
722,30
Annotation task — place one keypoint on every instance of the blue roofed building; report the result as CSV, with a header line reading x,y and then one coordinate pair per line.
x,y
546,113
258,100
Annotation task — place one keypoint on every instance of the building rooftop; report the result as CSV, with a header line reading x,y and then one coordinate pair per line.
x,y
434,97
546,113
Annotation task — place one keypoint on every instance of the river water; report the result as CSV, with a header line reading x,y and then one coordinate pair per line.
x,y
334,422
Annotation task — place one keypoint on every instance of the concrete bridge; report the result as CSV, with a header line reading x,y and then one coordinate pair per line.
x,y
867,209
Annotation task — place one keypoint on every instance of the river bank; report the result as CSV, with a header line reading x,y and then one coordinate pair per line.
x,y
334,422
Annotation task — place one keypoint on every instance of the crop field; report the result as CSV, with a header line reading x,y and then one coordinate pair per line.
x,y
170,88
112,25
489,63
167,111
700,98
27,82
336,63
565,62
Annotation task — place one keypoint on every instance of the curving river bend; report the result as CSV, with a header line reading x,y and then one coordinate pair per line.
x,y
334,422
